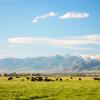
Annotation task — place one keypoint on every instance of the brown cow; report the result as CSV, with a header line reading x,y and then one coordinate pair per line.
x,y
71,77
22,79
33,79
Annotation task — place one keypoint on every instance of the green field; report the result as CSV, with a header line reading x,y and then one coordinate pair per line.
x,y
86,89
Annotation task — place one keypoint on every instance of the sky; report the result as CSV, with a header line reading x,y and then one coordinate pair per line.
x,y
32,28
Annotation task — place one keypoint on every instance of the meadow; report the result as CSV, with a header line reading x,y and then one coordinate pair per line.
x,y
72,89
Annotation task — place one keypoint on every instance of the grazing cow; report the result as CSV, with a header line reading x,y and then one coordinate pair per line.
x,y
47,79
17,76
10,78
39,78
27,78
57,78
96,78
22,79
33,79
71,77
80,79
60,79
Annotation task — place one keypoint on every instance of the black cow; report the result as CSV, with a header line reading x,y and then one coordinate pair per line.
x,y
57,78
96,78
80,79
60,79
27,78
10,78
47,79
39,78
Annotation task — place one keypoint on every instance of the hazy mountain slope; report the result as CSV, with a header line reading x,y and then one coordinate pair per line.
x,y
50,64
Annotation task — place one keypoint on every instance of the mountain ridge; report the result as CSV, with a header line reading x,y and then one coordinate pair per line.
x,y
51,64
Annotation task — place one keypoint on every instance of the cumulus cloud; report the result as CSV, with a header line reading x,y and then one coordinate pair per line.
x,y
62,43
49,14
74,15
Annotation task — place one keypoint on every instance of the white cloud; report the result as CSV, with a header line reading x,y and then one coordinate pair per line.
x,y
74,15
63,43
68,15
92,56
49,14
21,40
93,37
79,48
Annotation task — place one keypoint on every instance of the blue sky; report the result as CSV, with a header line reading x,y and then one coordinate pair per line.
x,y
30,28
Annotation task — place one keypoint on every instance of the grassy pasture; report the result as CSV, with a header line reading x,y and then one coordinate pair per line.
x,y
73,89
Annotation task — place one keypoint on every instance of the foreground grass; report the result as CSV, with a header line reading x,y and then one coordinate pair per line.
x,y
65,90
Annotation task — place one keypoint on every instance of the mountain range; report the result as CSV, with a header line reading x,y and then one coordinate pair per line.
x,y
51,64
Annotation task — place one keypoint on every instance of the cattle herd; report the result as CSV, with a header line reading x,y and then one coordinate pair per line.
x,y
40,78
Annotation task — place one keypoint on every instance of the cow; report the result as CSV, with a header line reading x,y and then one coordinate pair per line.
x,y
10,78
17,76
80,79
27,78
96,78
39,78
47,79
60,79
33,79
71,77
22,79
56,79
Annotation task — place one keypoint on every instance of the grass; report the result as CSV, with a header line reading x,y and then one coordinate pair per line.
x,y
86,89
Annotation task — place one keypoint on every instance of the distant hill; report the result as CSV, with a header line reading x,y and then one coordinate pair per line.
x,y
50,64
